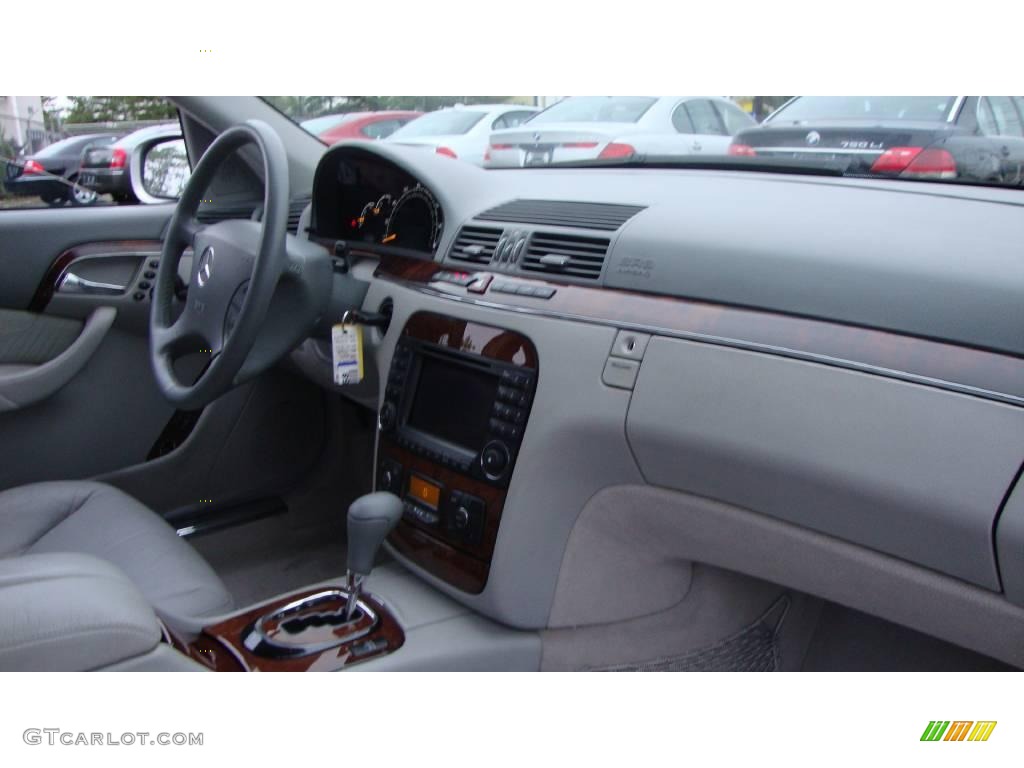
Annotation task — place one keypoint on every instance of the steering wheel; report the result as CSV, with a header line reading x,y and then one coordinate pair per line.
x,y
254,292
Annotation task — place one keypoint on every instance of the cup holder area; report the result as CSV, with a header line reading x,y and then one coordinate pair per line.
x,y
310,625
301,623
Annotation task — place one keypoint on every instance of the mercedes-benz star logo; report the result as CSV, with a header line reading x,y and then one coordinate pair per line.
x,y
813,138
205,266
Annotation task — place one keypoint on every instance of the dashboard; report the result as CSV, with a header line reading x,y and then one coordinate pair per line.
x,y
367,201
737,360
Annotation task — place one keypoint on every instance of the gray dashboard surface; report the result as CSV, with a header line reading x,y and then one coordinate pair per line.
x,y
904,469
927,259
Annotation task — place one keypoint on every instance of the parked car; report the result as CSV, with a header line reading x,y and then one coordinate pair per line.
x,y
108,169
589,127
971,138
331,129
462,131
52,173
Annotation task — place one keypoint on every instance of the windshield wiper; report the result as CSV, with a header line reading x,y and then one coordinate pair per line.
x,y
716,162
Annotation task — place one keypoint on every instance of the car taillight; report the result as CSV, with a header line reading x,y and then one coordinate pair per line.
x,y
501,146
932,164
615,149
895,159
588,145
916,162
31,166
446,151
742,150
118,158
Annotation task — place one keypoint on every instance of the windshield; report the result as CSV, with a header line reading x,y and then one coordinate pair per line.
x,y
883,137
924,108
596,109
449,122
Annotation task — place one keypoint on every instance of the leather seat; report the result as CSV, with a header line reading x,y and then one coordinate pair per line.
x,y
96,519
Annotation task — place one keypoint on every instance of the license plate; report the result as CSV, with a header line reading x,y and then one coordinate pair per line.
x,y
538,157
87,179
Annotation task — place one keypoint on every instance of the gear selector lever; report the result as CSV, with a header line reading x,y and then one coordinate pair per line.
x,y
370,519
331,617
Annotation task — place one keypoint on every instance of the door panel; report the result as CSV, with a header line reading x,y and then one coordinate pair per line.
x,y
105,415
31,239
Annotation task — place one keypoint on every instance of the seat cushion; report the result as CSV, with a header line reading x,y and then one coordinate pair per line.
x,y
97,519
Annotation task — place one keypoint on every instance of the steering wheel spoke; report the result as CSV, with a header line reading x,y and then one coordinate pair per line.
x,y
190,227
184,336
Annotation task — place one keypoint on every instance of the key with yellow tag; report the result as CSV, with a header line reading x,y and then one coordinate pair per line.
x,y
347,353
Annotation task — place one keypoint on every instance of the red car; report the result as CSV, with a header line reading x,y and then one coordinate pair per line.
x,y
358,125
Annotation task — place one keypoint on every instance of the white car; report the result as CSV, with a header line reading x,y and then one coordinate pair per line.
x,y
589,127
462,131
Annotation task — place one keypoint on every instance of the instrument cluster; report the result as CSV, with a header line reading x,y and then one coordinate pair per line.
x,y
367,200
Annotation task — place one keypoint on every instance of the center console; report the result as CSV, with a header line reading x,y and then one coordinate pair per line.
x,y
455,408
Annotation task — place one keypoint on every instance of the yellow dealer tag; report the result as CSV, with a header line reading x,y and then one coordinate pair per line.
x,y
347,349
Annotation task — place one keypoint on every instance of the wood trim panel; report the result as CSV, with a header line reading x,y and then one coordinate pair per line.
x,y
976,371
449,556
462,566
464,335
48,285
219,647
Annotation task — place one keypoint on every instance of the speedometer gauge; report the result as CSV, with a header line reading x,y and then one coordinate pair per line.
x,y
372,220
415,221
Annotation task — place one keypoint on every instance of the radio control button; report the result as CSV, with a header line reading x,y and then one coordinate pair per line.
x,y
494,459
388,417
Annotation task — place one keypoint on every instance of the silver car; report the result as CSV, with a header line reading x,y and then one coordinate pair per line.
x,y
589,127
462,131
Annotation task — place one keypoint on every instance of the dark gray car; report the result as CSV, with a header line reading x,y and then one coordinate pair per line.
x,y
966,138
52,172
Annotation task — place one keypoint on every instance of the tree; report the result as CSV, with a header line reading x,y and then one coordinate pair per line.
x,y
104,109
306,107
51,114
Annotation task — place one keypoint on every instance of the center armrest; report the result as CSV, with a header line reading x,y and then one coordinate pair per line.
x,y
65,611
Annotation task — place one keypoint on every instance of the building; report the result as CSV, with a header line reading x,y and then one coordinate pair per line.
x,y
21,123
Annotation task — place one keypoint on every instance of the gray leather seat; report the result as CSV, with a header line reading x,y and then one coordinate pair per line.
x,y
96,519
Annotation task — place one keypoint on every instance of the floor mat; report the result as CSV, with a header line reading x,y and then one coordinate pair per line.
x,y
752,649
306,544
264,558
848,640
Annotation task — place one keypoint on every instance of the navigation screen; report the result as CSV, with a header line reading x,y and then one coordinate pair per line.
x,y
453,402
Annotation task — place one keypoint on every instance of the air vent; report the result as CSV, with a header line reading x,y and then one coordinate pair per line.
x,y
475,244
211,214
214,213
566,255
295,209
558,213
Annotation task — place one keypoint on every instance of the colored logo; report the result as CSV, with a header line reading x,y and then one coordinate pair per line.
x,y
958,730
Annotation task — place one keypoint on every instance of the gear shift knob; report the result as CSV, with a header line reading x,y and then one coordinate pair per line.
x,y
370,520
